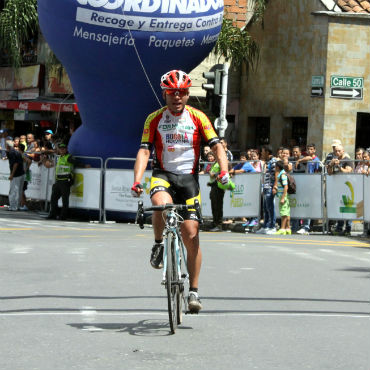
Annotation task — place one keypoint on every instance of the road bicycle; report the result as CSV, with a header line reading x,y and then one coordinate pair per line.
x,y
175,273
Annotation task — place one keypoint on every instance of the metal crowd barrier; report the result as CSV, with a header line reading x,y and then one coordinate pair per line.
x,y
344,196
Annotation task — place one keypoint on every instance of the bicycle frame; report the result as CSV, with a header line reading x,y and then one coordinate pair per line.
x,y
172,226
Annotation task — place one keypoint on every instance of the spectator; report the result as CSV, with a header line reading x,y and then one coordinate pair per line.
x,y
63,182
243,166
30,138
16,176
22,140
229,155
216,196
27,177
312,160
257,165
366,162
313,165
255,161
341,164
359,164
282,193
299,166
279,151
16,142
48,145
331,155
285,157
207,166
206,150
268,196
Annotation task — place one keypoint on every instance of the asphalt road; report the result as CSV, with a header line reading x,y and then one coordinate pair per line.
x,y
78,295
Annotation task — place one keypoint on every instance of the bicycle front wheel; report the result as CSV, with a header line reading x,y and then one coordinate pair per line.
x,y
172,283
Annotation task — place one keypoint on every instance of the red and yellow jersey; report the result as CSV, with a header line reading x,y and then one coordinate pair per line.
x,y
177,138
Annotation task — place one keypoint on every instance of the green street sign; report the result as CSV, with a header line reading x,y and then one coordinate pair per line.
x,y
317,81
347,82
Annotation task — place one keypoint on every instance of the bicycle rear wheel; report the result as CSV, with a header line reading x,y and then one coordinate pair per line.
x,y
172,284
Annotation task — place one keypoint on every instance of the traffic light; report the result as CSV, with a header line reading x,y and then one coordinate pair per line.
x,y
214,80
216,87
213,88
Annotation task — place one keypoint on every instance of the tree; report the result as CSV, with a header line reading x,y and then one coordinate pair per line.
x,y
18,23
236,44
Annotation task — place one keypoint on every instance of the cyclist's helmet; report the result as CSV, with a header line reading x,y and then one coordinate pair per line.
x,y
175,79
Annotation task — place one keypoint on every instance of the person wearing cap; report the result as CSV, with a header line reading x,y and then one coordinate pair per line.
x,y
176,131
63,181
48,146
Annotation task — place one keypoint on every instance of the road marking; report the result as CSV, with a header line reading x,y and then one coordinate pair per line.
x,y
294,242
16,228
345,255
20,249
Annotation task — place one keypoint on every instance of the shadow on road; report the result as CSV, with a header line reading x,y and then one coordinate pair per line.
x,y
152,328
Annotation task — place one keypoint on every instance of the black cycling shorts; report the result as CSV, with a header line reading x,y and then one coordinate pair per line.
x,y
184,189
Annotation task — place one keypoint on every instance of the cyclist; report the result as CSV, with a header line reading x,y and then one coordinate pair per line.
x,y
175,132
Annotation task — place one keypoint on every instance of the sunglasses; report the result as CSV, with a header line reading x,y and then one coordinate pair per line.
x,y
177,92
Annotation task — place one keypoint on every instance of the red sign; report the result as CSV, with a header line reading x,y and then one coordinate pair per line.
x,y
39,106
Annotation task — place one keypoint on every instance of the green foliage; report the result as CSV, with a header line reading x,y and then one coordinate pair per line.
x,y
236,44
18,23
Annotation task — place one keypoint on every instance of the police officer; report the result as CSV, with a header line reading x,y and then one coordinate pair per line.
x,y
63,181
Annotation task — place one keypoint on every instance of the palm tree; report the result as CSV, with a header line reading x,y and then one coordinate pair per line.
x,y
18,23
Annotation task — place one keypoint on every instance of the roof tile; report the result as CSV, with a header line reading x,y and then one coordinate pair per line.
x,y
355,6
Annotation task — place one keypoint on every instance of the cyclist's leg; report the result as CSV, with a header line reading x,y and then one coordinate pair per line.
x,y
190,236
160,193
159,198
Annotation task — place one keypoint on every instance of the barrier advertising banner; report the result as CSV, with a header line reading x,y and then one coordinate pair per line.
x,y
118,196
307,202
244,201
4,177
367,198
85,189
344,196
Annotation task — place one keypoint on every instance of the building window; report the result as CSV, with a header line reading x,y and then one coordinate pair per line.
x,y
299,131
258,131
363,130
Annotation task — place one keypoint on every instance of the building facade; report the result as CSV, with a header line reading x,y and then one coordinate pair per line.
x,y
313,79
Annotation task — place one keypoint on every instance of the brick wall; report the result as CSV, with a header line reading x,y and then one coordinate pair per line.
x,y
237,10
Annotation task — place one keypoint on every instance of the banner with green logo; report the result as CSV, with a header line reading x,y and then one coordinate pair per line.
x,y
243,201
307,202
344,196
367,198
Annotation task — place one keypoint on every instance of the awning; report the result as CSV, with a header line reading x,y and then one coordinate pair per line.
x,y
45,106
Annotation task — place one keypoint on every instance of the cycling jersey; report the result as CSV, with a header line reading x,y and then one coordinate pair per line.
x,y
177,138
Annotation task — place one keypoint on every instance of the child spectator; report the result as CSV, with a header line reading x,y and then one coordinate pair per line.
x,y
282,193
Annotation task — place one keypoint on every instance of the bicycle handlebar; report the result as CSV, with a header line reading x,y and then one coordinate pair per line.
x,y
163,207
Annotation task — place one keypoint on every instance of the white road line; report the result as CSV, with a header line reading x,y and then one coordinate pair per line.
x,y
149,313
345,255
21,249
308,256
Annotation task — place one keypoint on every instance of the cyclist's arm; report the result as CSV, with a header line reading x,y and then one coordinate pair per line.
x,y
141,163
220,154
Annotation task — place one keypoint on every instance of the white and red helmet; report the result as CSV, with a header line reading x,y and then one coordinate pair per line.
x,y
175,79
